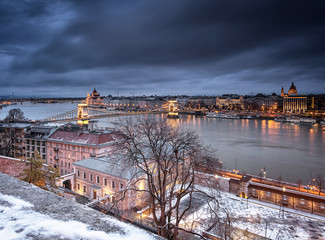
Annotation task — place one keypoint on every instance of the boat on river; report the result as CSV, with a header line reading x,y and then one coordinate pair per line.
x,y
307,121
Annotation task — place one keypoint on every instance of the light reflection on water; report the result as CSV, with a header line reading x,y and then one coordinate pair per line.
x,y
291,150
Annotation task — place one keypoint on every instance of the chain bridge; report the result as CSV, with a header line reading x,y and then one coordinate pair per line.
x,y
84,113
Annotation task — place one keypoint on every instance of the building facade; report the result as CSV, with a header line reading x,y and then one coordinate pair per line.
x,y
66,146
106,179
280,196
294,104
35,140
11,139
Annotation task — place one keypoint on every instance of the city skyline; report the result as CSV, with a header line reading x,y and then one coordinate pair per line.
x,y
66,48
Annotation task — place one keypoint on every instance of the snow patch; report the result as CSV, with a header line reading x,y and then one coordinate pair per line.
x,y
20,221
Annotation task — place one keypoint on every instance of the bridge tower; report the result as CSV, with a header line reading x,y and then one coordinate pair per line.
x,y
82,114
172,109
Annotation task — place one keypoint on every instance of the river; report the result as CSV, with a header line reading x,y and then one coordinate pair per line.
x,y
292,151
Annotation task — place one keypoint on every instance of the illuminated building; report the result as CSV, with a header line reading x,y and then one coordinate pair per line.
x,y
293,104
229,101
66,146
104,179
292,90
93,99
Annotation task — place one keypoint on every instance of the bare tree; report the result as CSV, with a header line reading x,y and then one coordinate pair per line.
x,y
167,157
11,140
15,115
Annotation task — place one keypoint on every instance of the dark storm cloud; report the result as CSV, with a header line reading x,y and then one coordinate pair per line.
x,y
149,45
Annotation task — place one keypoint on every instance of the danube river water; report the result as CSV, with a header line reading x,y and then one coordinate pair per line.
x,y
292,151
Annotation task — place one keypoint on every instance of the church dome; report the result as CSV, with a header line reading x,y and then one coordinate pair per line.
x,y
293,90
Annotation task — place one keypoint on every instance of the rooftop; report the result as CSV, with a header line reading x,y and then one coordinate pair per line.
x,y
87,138
110,166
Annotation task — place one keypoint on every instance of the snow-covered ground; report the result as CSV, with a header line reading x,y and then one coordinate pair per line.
x,y
28,212
18,220
260,218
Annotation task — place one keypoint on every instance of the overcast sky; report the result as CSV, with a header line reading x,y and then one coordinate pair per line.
x,y
195,47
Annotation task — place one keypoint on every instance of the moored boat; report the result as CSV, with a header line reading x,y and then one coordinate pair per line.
x,y
307,121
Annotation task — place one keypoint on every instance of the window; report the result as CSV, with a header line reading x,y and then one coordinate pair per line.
x,y
61,164
51,153
121,185
113,184
65,164
68,165
285,198
302,201
85,189
105,181
253,191
322,206
65,172
27,141
61,171
78,186
91,177
268,194
78,173
98,181
73,148
85,175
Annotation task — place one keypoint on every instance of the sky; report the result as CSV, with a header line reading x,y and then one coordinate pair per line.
x,y
142,47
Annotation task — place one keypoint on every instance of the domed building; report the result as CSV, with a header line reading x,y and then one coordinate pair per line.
x,y
292,103
292,90
93,99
